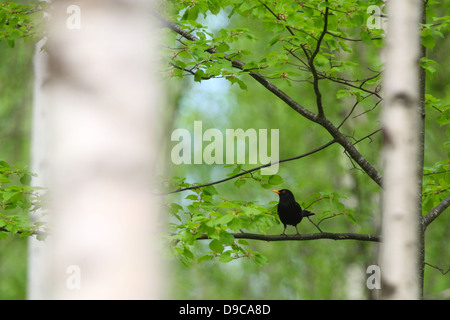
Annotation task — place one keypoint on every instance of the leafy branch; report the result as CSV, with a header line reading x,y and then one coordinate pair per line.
x,y
228,223
17,199
338,136
21,21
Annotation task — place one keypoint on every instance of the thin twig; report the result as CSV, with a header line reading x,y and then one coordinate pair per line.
x,y
253,169
368,136
444,272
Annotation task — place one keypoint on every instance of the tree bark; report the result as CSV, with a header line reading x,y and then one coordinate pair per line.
x,y
37,279
401,231
104,101
421,128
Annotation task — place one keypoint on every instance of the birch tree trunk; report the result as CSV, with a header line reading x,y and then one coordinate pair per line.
x,y
37,250
399,256
104,96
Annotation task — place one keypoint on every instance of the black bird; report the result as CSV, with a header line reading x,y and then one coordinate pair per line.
x,y
289,210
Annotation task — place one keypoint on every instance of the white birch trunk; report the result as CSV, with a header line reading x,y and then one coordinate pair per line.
x,y
105,98
400,221
37,283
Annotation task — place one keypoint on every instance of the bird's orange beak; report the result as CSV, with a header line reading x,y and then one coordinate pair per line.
x,y
276,191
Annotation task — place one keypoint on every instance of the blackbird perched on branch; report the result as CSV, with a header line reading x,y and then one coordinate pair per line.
x,y
289,210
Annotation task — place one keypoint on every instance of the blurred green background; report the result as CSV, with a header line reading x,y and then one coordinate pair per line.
x,y
16,97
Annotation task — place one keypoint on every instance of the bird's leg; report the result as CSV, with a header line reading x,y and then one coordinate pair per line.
x,y
284,231
298,233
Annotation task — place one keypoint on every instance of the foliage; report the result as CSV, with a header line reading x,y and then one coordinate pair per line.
x,y
436,179
17,200
308,41
295,28
21,21
208,214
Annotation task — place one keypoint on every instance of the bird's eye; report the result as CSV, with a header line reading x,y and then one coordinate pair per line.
x,y
282,191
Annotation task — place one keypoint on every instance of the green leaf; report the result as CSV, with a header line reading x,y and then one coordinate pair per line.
x,y
226,238
428,64
205,258
243,242
224,219
192,197
3,16
216,246
226,257
3,235
222,47
4,165
274,40
25,234
12,196
175,207
320,60
275,179
241,84
239,182
260,260
351,218
25,179
186,256
428,41
191,14
211,190
234,79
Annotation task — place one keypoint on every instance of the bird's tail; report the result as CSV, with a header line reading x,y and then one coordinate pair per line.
x,y
306,213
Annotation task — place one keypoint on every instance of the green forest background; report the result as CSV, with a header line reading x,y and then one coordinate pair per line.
x,y
320,269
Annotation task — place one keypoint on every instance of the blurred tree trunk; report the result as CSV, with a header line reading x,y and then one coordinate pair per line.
x,y
104,96
37,250
403,154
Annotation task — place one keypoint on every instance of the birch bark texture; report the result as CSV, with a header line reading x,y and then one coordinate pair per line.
x,y
399,254
104,100
37,280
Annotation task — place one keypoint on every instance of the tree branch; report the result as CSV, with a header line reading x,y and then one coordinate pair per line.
x,y
436,211
313,67
303,237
